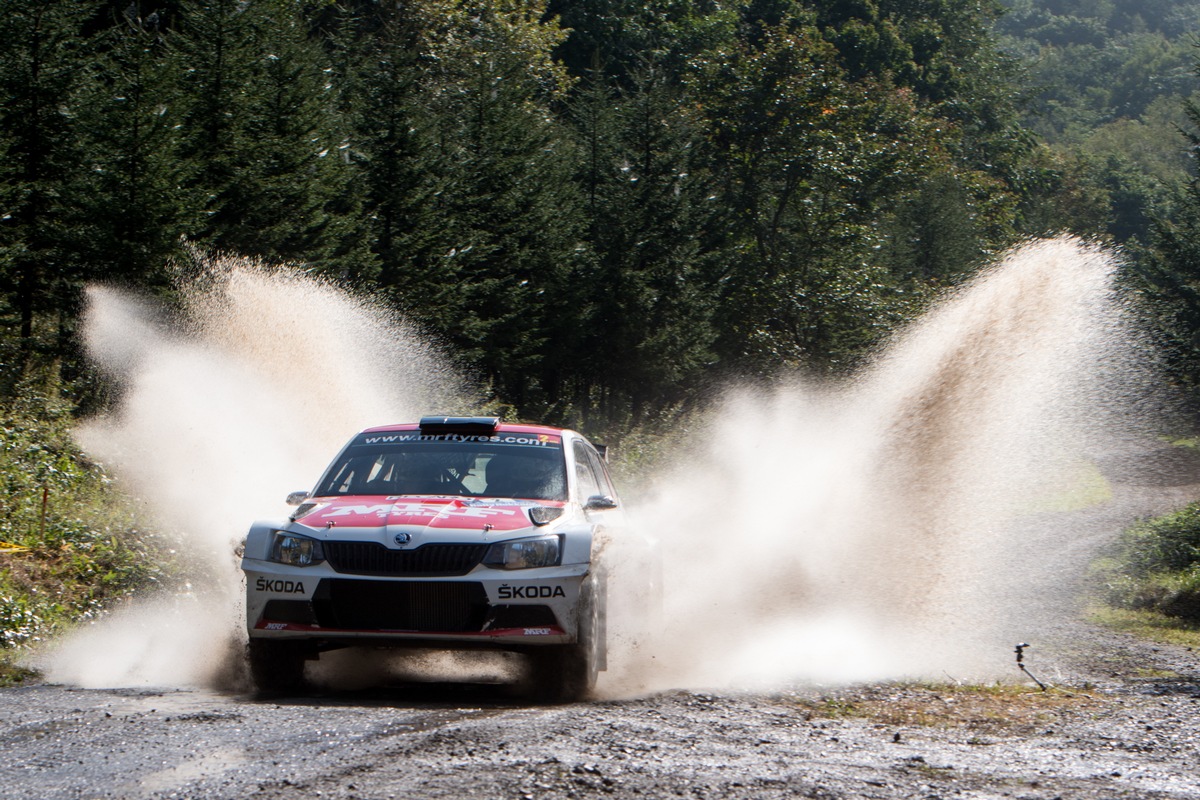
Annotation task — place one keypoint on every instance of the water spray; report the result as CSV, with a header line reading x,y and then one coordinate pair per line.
x,y
877,529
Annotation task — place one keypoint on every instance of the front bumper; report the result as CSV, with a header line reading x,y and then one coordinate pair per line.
x,y
486,606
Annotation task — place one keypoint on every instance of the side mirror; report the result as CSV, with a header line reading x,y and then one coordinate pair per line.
x,y
296,498
599,502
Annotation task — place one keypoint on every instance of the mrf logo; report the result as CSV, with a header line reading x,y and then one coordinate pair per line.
x,y
278,586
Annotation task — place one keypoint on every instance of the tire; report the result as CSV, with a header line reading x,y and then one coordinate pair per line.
x,y
567,673
277,667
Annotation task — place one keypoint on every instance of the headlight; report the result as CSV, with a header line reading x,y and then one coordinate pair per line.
x,y
545,551
296,551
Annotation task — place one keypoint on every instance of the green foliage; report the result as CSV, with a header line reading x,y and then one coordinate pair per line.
x,y
41,61
393,135
130,204
1169,543
610,39
803,198
73,543
1106,82
1153,625
263,141
1170,274
508,224
933,237
1155,565
649,334
601,206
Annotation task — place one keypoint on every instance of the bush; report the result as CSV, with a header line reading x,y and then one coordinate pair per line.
x,y
1170,543
1155,565
78,542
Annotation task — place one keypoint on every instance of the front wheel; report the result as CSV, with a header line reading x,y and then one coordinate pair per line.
x,y
277,666
568,673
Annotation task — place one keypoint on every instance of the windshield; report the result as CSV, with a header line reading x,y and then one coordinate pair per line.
x,y
526,466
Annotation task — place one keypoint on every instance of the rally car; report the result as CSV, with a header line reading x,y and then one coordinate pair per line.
x,y
453,532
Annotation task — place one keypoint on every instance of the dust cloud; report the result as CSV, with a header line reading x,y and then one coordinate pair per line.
x,y
867,530
901,525
240,396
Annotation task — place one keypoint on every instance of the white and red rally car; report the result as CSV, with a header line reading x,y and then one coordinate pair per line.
x,y
454,532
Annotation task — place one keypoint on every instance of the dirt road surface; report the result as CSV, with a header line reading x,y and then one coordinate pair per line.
x,y
1131,732
1122,720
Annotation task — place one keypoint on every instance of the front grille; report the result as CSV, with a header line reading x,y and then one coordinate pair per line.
x,y
432,560
424,606
295,611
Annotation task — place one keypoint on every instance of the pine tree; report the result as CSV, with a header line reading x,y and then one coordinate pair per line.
x,y
649,296
498,279
387,104
40,65
215,53
263,138
130,198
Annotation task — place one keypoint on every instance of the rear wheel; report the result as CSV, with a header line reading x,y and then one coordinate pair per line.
x,y
278,666
567,673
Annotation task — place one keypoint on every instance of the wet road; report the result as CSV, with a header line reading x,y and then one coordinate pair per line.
x,y
1122,722
1119,734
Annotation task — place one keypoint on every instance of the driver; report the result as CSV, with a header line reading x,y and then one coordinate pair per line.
x,y
533,477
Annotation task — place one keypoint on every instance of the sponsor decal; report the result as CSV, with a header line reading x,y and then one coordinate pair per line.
x,y
278,586
537,631
479,512
496,502
419,510
526,439
275,626
356,511
530,592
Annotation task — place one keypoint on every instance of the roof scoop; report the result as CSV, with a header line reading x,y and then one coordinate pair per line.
x,y
474,426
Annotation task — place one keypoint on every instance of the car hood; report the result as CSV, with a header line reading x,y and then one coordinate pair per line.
x,y
432,513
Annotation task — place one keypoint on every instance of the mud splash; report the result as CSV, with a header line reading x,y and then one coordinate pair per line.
x,y
869,530
226,406
891,527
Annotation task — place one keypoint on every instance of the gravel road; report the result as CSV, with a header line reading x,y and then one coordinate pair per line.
x,y
1122,720
1130,732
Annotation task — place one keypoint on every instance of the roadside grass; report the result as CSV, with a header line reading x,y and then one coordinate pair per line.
x,y
980,708
71,543
1146,624
11,672
1148,581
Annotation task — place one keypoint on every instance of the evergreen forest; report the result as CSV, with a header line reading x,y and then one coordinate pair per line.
x,y
602,207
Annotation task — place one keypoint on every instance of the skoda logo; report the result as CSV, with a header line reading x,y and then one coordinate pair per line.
x,y
402,538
